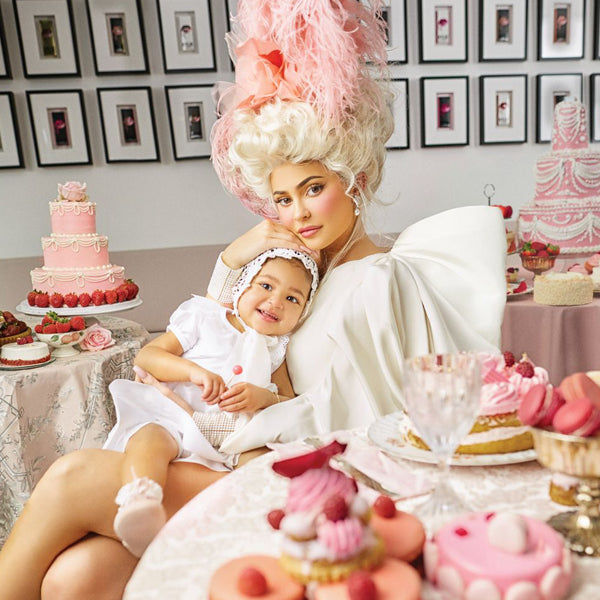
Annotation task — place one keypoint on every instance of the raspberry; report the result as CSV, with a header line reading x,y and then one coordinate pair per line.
x,y
274,518
84,299
77,323
384,506
71,300
509,359
252,582
335,508
361,586
525,369
110,296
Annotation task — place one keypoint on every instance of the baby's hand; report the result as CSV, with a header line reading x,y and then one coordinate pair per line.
x,y
212,383
246,397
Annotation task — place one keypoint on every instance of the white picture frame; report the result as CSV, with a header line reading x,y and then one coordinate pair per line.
x,y
503,30
443,31
128,124
503,109
400,138
11,155
551,88
561,29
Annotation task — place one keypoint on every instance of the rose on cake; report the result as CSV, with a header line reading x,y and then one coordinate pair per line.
x,y
72,191
96,338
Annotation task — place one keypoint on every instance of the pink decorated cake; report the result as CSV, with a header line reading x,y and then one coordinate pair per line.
x,y
76,260
500,556
566,206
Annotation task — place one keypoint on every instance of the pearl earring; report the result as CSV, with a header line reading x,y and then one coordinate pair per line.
x,y
356,201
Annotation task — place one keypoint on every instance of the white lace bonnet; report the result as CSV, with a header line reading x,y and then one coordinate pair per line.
x,y
251,269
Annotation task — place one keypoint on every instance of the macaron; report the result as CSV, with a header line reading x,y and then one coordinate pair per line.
x,y
579,385
578,417
539,405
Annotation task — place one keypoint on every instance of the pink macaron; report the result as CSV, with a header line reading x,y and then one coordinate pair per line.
x,y
579,385
578,417
539,405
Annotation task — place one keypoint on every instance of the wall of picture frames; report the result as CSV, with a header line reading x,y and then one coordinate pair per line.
x,y
118,93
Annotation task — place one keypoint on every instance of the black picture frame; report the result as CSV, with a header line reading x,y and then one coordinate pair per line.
x,y
117,37
11,151
230,9
5,72
561,30
59,125
550,89
393,13
596,18
503,109
595,107
190,51
503,30
128,124
443,31
444,111
400,138
48,43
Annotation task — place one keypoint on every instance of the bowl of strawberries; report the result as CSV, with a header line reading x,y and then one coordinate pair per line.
x,y
63,333
538,257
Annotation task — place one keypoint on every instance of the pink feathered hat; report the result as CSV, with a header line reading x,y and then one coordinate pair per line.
x,y
316,51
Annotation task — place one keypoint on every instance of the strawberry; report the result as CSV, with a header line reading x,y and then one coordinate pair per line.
x,y
509,359
31,297
251,582
132,289
20,341
525,369
42,300
29,339
384,506
543,253
528,253
275,517
50,328
39,328
122,293
84,299
98,297
537,246
71,300
46,320
292,467
361,586
335,508
63,327
77,323
553,250
110,296
56,300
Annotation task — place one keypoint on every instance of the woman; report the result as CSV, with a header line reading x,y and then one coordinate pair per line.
x,y
303,143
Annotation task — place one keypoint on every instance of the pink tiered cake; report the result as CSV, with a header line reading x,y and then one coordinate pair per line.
x,y
75,257
566,206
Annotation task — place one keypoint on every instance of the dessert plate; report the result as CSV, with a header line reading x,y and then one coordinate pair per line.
x,y
65,311
512,286
388,434
23,367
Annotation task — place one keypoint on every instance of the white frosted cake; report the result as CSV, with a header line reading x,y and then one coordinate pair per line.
x,y
566,206
18,355
563,289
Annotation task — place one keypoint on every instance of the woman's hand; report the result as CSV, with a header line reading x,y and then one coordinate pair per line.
x,y
246,397
212,383
267,234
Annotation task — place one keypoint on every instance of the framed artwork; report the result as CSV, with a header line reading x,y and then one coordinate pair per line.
x,y
443,31
59,127
128,124
595,104
4,62
117,32
503,109
11,155
192,113
186,32
503,30
596,30
399,140
444,111
551,89
393,13
47,38
561,29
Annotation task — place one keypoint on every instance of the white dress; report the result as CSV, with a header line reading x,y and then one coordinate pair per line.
x,y
441,288
209,340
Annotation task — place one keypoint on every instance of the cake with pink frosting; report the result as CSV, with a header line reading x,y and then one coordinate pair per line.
x,y
566,205
76,259
498,556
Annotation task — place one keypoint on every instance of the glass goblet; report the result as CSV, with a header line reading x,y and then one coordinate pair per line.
x,y
441,396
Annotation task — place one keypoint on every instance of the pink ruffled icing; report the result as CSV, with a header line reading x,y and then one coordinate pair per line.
x,y
343,538
492,367
498,398
310,490
524,384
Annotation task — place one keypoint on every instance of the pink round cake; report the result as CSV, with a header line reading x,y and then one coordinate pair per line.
x,y
498,556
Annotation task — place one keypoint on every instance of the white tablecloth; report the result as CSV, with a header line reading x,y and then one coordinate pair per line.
x,y
228,520
51,410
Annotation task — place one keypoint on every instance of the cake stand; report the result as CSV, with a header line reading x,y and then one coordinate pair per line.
x,y
578,457
65,311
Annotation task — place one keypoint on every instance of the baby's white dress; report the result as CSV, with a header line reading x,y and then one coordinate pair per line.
x,y
209,340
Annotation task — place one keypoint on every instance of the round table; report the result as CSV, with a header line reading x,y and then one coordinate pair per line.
x,y
50,410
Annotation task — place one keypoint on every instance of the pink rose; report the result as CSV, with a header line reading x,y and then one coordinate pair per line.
x,y
73,191
96,338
